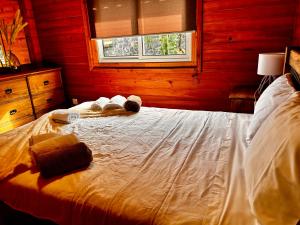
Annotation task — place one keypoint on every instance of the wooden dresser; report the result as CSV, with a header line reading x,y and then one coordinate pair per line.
x,y
27,95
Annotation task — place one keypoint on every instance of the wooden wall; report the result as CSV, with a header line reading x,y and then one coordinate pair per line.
x,y
234,32
8,9
296,40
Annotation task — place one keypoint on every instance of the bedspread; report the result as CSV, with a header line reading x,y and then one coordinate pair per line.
x,y
159,167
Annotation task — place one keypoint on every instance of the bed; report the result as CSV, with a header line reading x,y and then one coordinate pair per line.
x,y
158,166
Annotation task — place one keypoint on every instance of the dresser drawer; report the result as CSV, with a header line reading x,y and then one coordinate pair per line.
x,y
6,126
13,89
48,100
44,82
15,110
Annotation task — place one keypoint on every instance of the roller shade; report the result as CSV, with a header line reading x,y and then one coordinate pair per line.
x,y
163,16
112,18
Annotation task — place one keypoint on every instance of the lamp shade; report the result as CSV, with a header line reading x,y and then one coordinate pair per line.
x,y
270,64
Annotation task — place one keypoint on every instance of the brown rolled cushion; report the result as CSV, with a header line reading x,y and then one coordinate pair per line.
x,y
132,106
63,160
133,103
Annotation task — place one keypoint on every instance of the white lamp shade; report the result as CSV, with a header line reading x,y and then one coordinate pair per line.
x,y
270,64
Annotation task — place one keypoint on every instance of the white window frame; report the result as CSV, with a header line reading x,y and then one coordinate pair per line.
x,y
141,58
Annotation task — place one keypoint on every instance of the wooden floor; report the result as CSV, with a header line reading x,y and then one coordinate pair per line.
x,y
9,216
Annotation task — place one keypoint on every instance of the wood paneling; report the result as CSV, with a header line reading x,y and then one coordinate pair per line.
x,y
233,34
7,12
296,40
31,32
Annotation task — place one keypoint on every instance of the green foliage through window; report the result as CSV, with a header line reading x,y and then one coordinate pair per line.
x,y
164,44
117,47
154,48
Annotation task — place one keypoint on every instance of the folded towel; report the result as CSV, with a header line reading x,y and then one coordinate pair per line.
x,y
41,137
65,116
60,154
106,104
40,144
116,102
99,103
133,103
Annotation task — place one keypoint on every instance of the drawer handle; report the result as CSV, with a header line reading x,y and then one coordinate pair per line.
x,y
13,112
49,100
8,91
46,82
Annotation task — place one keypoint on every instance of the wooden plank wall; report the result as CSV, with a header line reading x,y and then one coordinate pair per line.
x,y
234,32
8,9
31,31
296,40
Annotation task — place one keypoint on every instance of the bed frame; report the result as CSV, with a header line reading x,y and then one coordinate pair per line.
x,y
292,64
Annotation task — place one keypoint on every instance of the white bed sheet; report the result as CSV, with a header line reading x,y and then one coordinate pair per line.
x,y
159,166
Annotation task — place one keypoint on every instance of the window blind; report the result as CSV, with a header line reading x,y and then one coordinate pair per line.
x,y
112,18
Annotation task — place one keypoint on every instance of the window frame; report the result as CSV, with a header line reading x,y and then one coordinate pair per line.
x,y
196,49
141,58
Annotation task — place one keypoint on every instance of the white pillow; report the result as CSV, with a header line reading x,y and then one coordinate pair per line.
x,y
272,166
275,94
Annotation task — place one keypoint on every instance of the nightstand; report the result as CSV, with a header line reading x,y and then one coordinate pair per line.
x,y
242,99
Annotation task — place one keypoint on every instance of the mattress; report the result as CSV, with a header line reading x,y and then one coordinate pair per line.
x,y
158,167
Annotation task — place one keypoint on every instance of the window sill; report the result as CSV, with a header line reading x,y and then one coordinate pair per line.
x,y
144,65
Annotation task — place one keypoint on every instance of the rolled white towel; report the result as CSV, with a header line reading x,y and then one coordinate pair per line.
x,y
99,103
65,116
133,103
106,104
116,102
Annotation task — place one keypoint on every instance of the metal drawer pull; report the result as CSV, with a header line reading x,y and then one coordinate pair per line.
x,y
8,91
12,112
46,82
49,100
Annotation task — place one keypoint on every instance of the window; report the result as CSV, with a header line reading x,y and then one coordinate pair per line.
x,y
140,33
172,47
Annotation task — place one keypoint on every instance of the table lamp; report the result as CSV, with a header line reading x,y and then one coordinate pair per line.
x,y
270,65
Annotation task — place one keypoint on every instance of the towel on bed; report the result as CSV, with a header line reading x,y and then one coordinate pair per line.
x,y
99,103
65,116
34,139
105,104
133,103
60,154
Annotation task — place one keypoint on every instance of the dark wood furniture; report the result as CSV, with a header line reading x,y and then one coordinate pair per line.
x,y
241,99
28,94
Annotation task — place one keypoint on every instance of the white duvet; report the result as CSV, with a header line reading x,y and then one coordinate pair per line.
x,y
158,167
